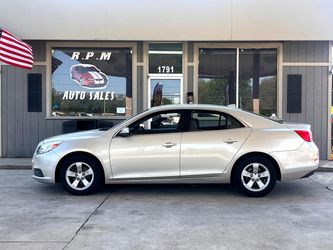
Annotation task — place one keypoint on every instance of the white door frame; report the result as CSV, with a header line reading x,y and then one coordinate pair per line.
x,y
165,77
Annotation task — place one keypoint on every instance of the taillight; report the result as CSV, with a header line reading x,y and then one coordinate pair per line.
x,y
305,134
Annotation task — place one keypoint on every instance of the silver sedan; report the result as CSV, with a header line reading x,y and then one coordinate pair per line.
x,y
180,144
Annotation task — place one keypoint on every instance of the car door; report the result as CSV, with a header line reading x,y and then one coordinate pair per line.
x,y
212,140
151,150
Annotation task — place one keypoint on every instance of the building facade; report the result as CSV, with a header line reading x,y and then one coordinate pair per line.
x,y
95,72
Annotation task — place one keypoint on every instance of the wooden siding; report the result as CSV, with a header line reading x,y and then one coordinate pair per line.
x,y
21,130
306,51
314,103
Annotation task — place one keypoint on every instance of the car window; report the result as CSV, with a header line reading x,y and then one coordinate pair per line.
x,y
163,122
210,120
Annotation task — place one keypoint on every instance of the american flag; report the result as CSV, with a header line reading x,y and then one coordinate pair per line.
x,y
15,52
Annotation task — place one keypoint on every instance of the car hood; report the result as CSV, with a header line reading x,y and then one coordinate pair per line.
x,y
77,135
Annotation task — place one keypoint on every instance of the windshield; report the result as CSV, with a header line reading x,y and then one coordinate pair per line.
x,y
86,69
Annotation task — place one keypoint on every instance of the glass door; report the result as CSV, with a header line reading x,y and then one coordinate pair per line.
x,y
165,72
164,90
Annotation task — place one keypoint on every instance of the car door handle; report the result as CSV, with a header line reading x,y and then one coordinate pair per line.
x,y
169,144
230,141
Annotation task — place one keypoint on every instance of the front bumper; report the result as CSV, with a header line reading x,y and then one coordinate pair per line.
x,y
45,163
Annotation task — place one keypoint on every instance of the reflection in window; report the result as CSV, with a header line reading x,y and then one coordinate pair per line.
x,y
217,76
160,123
91,81
258,80
202,120
165,91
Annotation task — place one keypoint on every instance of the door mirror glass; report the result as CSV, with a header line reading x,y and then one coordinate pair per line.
x,y
125,132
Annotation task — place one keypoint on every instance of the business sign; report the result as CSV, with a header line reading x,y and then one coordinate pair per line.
x,y
90,81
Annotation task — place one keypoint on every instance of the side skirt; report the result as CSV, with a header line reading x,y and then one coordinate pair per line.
x,y
220,178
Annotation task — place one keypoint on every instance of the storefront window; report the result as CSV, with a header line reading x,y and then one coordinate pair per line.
x,y
258,80
91,81
217,76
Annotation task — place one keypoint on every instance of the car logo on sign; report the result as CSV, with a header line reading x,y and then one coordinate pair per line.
x,y
88,76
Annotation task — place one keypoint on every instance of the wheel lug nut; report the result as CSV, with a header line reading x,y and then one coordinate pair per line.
x,y
257,180
252,179
258,175
251,175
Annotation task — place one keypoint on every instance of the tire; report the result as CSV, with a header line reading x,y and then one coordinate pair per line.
x,y
80,175
255,176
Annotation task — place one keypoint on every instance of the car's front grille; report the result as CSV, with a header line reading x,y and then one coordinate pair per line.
x,y
38,172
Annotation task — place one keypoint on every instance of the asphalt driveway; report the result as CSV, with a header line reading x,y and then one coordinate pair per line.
x,y
296,215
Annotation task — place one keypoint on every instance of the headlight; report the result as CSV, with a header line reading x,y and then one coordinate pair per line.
x,y
46,147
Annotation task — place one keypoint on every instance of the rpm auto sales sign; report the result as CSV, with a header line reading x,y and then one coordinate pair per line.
x,y
89,76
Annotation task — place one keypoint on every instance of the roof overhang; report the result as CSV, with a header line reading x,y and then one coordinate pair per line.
x,y
172,20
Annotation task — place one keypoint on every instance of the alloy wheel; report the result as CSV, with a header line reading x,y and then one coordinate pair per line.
x,y
79,176
255,177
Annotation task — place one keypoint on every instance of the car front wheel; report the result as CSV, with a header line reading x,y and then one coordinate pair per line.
x,y
80,175
255,176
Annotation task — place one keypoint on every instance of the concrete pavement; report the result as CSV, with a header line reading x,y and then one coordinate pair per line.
x,y
296,215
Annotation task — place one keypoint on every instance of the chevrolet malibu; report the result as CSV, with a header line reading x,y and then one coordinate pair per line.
x,y
180,144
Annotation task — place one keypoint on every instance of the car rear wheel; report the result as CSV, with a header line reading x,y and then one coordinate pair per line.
x,y
255,176
80,175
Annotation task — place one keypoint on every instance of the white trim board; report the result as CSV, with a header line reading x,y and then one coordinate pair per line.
x,y
306,64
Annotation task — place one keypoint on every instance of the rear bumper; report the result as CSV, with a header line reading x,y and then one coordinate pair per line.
x,y
299,163
309,174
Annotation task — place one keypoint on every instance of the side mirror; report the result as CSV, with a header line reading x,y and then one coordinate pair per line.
x,y
125,132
